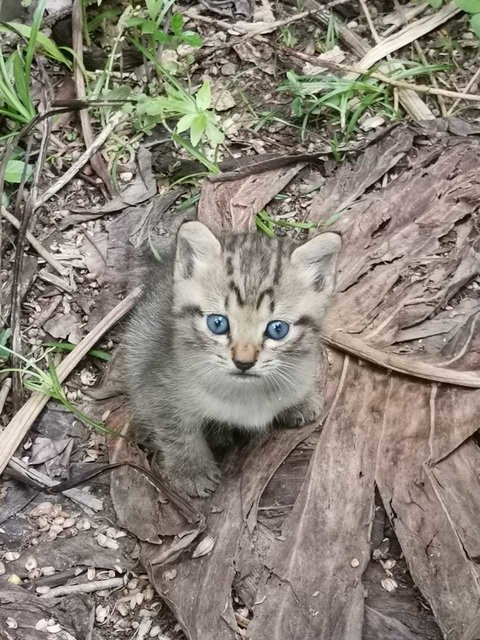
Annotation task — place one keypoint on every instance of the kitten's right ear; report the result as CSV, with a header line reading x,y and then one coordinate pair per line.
x,y
316,261
196,246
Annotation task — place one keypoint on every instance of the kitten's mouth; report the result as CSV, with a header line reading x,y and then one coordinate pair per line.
x,y
244,374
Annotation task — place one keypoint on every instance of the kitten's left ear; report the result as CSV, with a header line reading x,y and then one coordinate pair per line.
x,y
196,247
316,261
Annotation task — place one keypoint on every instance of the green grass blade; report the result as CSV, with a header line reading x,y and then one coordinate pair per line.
x,y
32,41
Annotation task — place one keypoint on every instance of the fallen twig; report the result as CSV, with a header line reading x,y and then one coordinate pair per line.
x,y
83,159
4,391
244,28
39,248
18,427
469,85
21,471
345,68
96,160
423,59
26,220
408,35
401,364
86,587
410,100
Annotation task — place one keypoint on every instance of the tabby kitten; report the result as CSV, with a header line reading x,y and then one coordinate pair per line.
x,y
227,333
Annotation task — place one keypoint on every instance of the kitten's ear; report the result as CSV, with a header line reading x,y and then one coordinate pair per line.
x,y
196,246
316,261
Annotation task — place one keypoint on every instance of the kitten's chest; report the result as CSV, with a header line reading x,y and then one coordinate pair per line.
x,y
252,409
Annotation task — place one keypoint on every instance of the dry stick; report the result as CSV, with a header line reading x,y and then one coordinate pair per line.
x,y
423,59
242,28
470,84
433,373
16,292
4,391
411,102
21,471
407,35
346,68
86,587
83,159
40,249
410,13
97,161
18,427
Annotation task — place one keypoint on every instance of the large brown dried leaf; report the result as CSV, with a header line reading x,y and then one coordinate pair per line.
x,y
410,250
234,204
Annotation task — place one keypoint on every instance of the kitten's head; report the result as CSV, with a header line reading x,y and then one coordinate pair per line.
x,y
250,306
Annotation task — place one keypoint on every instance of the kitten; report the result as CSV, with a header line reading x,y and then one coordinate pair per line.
x,y
227,333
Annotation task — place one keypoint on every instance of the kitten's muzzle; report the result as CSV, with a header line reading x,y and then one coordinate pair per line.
x,y
243,366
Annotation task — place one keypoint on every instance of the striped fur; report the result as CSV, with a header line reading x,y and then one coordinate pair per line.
x,y
182,378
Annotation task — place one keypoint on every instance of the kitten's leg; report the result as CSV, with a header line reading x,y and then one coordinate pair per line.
x,y
188,460
304,413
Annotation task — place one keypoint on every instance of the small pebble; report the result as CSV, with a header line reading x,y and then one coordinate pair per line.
x,y
155,631
83,524
10,556
58,522
2,568
108,543
354,563
101,613
204,547
122,609
149,593
11,623
91,573
54,628
389,584
48,571
31,563
42,509
34,574
132,584
41,625
14,579
42,590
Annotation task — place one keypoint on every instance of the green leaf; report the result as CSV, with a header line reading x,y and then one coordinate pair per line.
x,y
436,4
185,122
214,135
470,6
197,128
210,166
475,24
161,37
149,26
14,171
68,346
176,24
193,39
203,97
47,44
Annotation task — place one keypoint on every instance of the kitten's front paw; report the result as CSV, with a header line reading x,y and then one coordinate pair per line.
x,y
199,482
305,413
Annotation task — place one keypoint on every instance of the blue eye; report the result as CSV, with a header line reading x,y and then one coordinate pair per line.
x,y
277,329
218,324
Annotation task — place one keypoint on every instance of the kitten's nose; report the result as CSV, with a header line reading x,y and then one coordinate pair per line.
x,y
243,366
244,355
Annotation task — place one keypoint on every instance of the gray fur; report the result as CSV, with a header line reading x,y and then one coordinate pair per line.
x,y
181,377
